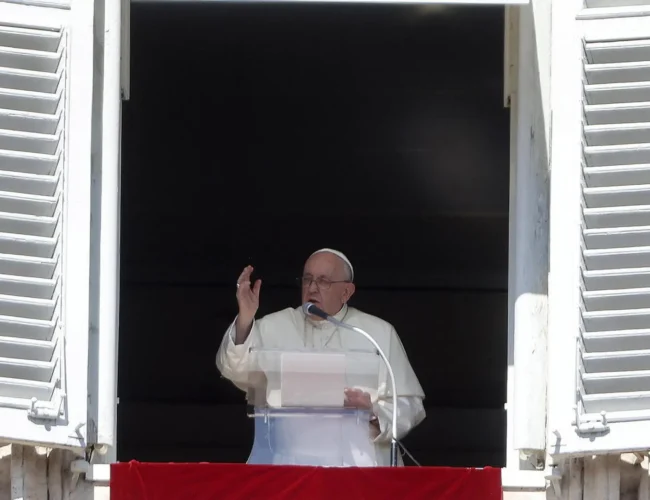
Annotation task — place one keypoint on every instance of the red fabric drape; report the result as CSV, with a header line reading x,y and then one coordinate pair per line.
x,y
200,481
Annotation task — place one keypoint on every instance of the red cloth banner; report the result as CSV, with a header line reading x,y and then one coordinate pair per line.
x,y
202,481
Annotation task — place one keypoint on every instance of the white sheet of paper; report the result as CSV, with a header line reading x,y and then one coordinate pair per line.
x,y
312,379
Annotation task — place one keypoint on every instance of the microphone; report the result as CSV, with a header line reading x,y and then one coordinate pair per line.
x,y
309,308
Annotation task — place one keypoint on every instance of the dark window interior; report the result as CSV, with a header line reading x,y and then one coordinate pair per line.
x,y
259,133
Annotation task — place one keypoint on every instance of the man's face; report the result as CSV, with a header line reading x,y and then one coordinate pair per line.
x,y
325,282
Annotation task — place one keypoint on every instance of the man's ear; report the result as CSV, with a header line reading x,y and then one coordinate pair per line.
x,y
349,292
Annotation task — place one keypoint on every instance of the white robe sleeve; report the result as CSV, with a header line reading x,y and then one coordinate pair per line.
x,y
410,412
410,396
233,360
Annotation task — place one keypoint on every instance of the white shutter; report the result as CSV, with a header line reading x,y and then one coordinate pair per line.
x,y
615,344
32,124
45,121
610,409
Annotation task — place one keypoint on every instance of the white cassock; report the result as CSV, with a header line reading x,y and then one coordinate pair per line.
x,y
292,329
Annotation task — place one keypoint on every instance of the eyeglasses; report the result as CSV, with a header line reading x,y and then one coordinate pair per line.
x,y
321,283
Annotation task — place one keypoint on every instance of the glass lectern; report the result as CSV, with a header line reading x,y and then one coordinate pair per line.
x,y
298,402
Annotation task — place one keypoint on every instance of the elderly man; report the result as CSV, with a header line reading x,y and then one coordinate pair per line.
x,y
327,282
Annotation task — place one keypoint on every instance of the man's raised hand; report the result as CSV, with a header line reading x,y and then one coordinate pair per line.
x,y
248,299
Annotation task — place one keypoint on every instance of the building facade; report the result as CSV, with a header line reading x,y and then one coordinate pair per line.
x,y
578,89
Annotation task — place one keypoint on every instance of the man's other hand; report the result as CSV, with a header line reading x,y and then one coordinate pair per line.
x,y
356,398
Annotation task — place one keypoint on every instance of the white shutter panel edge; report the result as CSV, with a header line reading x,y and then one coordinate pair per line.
x,y
45,143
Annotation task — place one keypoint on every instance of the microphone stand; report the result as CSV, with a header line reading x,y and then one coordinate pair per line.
x,y
393,441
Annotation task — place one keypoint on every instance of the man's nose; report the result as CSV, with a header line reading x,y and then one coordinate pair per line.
x,y
313,287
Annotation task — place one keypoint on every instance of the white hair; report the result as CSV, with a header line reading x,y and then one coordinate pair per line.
x,y
349,270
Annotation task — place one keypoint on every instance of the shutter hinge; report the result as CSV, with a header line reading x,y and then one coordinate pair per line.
x,y
45,410
591,424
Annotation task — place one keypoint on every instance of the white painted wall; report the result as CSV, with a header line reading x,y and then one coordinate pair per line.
x,y
528,259
528,33
44,474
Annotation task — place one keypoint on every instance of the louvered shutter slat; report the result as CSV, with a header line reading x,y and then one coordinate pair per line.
x,y
619,52
608,135
608,260
43,206
12,391
29,142
28,122
627,154
617,113
617,92
28,287
616,392
32,117
37,164
617,402
617,279
39,371
29,329
611,299
27,224
605,74
617,238
31,81
26,307
35,184
602,364
625,340
30,60
30,39
616,217
30,247
601,197
617,175
29,102
614,3
20,348
36,267
626,319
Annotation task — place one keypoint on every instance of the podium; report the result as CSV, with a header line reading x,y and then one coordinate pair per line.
x,y
297,399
